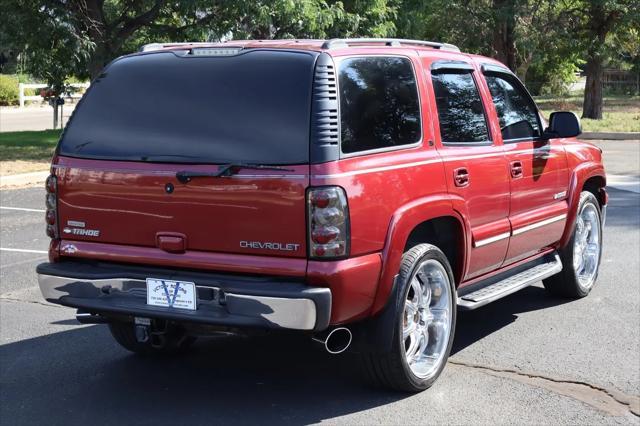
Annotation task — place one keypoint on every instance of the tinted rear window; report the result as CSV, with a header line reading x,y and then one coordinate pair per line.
x,y
253,107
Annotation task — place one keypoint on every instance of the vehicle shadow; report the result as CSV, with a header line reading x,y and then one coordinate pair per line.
x,y
473,326
81,375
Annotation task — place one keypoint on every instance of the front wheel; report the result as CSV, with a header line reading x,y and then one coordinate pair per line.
x,y
424,325
581,256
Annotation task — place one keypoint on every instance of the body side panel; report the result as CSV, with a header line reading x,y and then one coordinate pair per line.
x,y
353,283
538,198
484,202
584,161
389,193
538,195
403,221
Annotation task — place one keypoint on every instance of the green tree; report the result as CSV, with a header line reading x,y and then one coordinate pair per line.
x,y
51,52
543,39
516,32
463,23
599,21
105,29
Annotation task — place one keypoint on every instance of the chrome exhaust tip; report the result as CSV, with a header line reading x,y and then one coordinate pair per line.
x,y
337,341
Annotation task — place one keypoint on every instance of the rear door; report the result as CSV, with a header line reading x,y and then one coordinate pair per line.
x,y
475,164
538,171
144,205
151,116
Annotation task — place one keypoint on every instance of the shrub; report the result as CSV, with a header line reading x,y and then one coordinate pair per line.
x,y
8,90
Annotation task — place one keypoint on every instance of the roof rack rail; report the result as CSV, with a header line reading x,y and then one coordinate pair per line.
x,y
157,46
345,42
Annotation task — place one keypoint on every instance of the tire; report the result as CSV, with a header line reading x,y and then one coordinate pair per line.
x,y
173,341
570,282
392,369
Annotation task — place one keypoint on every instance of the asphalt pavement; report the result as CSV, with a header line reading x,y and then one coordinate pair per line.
x,y
525,359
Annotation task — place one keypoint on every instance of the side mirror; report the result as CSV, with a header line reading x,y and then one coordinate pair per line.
x,y
563,124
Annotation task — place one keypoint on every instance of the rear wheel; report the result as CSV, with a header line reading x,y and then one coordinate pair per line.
x,y
423,327
161,338
581,256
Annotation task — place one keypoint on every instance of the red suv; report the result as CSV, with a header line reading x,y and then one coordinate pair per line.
x,y
360,191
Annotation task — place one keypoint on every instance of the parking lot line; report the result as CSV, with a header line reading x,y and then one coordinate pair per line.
x,y
31,259
22,209
23,250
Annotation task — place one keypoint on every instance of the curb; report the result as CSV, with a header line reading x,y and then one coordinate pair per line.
x,y
23,179
615,136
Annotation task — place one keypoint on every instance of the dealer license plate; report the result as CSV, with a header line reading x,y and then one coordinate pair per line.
x,y
171,294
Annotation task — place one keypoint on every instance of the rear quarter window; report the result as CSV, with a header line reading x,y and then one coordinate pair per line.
x,y
379,106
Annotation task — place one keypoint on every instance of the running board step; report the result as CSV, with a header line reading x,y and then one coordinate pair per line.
x,y
516,280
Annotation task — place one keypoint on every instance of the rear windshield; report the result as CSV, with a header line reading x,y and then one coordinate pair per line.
x,y
163,107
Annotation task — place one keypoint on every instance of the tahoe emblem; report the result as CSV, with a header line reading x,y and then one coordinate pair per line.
x,y
82,232
269,246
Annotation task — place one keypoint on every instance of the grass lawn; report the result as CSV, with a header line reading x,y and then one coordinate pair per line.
x,y
621,114
22,152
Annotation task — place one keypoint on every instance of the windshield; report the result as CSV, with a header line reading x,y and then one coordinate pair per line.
x,y
169,107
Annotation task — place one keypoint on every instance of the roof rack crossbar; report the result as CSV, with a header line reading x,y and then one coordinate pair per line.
x,y
345,42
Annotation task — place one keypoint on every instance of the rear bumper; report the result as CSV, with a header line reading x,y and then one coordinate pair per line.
x,y
226,300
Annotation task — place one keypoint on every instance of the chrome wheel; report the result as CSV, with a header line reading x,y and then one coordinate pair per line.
x,y
586,246
426,321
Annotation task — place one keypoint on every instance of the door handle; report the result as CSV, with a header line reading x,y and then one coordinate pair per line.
x,y
516,169
461,177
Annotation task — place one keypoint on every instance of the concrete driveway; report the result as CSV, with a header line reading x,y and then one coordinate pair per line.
x,y
526,359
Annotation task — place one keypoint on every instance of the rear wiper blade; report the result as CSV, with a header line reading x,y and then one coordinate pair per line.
x,y
233,168
226,170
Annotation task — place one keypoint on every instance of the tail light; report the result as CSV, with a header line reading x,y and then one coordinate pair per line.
x,y
51,216
328,222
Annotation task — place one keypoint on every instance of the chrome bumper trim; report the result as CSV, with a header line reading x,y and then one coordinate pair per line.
x,y
296,313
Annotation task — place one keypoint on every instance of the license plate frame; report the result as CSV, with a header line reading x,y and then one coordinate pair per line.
x,y
173,294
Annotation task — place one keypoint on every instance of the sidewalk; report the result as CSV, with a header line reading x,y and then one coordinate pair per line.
x,y
22,180
611,136
14,119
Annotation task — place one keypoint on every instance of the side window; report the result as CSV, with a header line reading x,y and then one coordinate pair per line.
x,y
517,114
460,110
378,103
